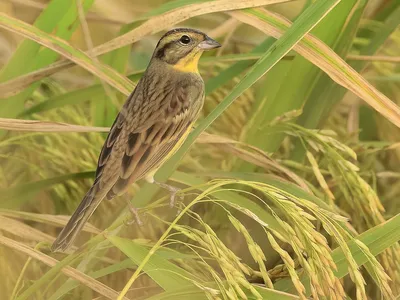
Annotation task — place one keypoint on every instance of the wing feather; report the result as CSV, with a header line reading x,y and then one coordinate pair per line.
x,y
136,147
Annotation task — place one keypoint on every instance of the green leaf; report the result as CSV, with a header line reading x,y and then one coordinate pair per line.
x,y
30,56
321,95
282,46
166,274
60,46
164,253
300,81
15,196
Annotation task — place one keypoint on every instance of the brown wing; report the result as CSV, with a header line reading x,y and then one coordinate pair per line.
x,y
148,148
135,147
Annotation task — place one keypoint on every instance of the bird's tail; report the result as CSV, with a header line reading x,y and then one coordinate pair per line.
x,y
85,209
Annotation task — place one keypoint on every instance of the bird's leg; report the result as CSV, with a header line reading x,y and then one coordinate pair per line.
x,y
172,189
134,212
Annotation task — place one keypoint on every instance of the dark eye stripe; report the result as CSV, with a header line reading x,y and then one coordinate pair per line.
x,y
161,52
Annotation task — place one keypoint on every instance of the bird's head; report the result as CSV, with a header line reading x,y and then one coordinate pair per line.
x,y
182,47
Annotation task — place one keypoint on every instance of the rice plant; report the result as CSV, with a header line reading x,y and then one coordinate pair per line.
x,y
289,179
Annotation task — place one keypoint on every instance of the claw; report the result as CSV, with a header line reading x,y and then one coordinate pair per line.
x,y
172,198
128,223
135,215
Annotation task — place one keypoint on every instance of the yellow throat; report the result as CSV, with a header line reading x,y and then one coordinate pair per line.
x,y
189,63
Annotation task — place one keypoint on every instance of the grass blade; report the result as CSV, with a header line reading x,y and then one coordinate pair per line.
x,y
30,55
97,286
41,126
292,36
167,19
295,84
326,59
166,274
102,71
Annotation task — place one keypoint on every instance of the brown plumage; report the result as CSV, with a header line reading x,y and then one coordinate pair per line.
x,y
152,124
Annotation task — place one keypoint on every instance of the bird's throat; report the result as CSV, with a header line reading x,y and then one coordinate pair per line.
x,y
189,63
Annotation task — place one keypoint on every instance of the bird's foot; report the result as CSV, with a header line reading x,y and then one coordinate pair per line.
x,y
174,191
135,215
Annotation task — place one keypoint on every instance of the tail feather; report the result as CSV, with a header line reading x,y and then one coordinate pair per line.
x,y
84,211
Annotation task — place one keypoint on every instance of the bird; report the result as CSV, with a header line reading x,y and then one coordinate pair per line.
x,y
151,126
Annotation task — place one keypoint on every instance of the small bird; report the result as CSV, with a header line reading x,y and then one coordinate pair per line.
x,y
151,126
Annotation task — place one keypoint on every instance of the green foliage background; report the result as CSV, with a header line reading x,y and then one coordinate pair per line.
x,y
290,179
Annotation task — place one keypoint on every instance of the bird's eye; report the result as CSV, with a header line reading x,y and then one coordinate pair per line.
x,y
185,39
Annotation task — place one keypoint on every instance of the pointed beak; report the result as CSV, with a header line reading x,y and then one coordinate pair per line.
x,y
208,44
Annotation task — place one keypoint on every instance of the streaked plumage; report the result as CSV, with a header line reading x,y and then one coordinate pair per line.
x,y
152,124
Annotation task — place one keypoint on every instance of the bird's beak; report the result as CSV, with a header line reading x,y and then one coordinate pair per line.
x,y
209,44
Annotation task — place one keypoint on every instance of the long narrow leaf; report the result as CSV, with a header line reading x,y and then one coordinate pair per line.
x,y
326,59
71,272
163,272
109,75
154,25
293,35
41,126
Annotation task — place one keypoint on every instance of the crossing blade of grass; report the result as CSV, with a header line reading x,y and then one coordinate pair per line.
x,y
327,94
156,24
166,274
326,59
323,93
41,126
30,56
14,86
293,35
109,75
226,75
179,15
75,97
297,84
29,49
377,239
95,285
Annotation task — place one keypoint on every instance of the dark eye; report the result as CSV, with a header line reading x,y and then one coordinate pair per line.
x,y
185,39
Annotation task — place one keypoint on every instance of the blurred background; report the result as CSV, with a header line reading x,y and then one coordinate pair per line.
x,y
297,166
